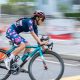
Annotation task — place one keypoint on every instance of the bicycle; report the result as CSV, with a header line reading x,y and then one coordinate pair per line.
x,y
41,61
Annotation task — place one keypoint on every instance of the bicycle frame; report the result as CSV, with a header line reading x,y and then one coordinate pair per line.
x,y
37,48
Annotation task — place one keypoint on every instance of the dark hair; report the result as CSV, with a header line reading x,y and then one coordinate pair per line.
x,y
39,14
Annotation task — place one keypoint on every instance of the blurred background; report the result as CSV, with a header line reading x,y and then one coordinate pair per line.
x,y
62,21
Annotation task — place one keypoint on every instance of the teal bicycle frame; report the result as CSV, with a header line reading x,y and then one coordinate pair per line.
x,y
37,48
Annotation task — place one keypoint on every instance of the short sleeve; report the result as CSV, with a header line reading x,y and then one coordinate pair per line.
x,y
30,25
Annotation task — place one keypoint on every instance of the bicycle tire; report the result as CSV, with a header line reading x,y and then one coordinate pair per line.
x,y
31,74
2,67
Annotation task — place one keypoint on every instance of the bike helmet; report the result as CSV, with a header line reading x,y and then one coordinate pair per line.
x,y
39,14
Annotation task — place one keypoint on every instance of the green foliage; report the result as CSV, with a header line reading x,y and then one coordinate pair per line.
x,y
17,10
5,9
63,7
73,15
14,1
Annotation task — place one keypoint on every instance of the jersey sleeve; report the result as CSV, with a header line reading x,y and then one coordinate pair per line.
x,y
30,25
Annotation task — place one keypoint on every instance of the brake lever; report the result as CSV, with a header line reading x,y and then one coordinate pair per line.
x,y
50,45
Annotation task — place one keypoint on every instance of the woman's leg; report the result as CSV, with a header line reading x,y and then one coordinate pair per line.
x,y
13,54
27,49
17,39
19,49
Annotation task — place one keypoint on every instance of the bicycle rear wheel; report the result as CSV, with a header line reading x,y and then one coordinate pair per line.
x,y
54,64
4,73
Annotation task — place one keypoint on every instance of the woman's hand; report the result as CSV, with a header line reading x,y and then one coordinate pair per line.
x,y
44,43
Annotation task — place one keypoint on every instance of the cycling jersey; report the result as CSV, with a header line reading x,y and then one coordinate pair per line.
x,y
23,25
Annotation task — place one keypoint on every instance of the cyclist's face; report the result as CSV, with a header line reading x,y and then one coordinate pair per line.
x,y
39,21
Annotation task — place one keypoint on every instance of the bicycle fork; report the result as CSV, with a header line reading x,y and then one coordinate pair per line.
x,y
43,60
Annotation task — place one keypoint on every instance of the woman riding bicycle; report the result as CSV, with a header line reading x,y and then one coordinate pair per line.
x,y
24,25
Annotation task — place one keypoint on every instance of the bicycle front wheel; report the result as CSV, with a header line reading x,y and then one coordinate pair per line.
x,y
54,63
4,73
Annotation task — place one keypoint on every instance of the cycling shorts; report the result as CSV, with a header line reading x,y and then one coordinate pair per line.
x,y
14,36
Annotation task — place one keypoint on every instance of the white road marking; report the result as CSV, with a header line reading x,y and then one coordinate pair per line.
x,y
67,64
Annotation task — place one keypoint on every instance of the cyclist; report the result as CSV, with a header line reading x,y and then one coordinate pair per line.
x,y
24,25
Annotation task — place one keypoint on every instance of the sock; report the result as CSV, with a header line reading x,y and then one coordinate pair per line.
x,y
12,56
7,59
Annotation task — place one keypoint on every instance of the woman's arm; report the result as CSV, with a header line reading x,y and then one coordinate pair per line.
x,y
37,38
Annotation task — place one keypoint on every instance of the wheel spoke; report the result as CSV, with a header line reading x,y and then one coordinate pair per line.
x,y
50,68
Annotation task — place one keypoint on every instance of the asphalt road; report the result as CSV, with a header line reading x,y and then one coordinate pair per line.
x,y
72,70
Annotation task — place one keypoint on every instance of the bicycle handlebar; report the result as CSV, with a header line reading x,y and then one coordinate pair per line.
x,y
46,38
